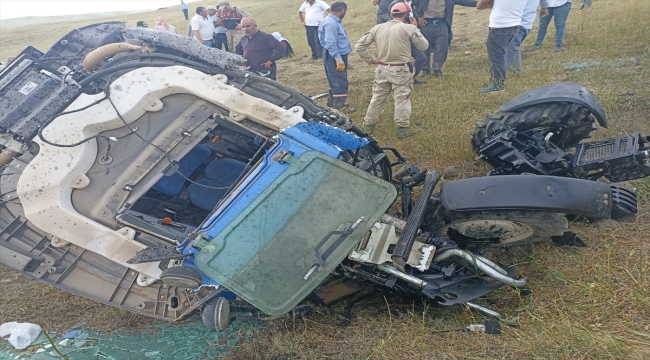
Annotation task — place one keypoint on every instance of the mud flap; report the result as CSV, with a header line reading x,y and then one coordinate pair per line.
x,y
529,192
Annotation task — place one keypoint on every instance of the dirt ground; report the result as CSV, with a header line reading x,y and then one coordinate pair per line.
x,y
586,303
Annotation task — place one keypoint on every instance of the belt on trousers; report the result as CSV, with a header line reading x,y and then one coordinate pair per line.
x,y
402,64
505,28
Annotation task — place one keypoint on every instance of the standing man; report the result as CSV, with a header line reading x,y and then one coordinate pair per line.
x,y
505,19
231,17
394,68
434,19
513,53
558,10
260,49
184,9
419,56
336,47
202,27
311,14
219,39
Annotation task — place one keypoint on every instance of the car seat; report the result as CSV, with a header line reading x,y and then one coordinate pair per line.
x,y
173,184
217,178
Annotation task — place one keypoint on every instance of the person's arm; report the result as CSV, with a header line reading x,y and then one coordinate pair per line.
x,y
419,40
301,16
197,36
468,3
484,4
239,49
374,2
363,48
278,50
242,13
543,8
195,30
329,40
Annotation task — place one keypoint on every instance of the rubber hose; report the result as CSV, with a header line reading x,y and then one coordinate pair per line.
x,y
94,57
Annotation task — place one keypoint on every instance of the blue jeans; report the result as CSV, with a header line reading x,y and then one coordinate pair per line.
x,y
338,80
220,41
497,43
586,2
560,15
185,12
207,43
513,53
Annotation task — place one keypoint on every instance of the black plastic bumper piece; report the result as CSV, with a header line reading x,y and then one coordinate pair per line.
x,y
529,192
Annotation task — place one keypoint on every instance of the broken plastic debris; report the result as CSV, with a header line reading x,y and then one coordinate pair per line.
x,y
72,334
233,341
21,335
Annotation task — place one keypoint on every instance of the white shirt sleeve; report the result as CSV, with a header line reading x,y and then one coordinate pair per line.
x,y
324,6
195,24
302,7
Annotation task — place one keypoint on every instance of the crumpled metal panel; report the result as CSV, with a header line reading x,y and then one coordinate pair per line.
x,y
187,45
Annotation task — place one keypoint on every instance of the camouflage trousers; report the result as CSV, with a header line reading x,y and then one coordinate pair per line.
x,y
399,81
234,37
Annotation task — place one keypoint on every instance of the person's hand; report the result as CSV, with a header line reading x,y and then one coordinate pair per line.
x,y
267,64
340,65
376,62
543,12
413,21
238,27
421,22
303,23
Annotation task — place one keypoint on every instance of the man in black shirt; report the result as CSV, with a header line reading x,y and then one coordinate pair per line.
x,y
259,49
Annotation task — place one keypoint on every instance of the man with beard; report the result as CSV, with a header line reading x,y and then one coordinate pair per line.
x,y
260,49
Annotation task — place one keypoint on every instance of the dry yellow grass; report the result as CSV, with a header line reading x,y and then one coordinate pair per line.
x,y
587,303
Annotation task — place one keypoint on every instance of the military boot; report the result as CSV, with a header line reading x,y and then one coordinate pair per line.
x,y
368,129
404,132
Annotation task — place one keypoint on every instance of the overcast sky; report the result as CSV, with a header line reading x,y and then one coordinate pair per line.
x,y
20,8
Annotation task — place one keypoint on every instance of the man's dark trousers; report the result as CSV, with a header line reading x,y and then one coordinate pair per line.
x,y
420,60
185,12
314,43
338,81
436,31
497,45
221,41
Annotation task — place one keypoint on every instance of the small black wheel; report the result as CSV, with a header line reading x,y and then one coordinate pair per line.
x,y
181,276
505,228
216,314
574,123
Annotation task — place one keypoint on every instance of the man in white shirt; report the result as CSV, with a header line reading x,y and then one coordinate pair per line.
x,y
311,13
505,19
202,27
513,53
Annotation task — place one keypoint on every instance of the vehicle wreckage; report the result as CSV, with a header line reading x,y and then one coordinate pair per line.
x,y
151,173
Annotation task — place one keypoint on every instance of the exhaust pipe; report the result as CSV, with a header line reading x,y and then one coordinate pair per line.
x,y
486,266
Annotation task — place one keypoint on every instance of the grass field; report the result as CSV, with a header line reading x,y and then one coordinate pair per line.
x,y
586,303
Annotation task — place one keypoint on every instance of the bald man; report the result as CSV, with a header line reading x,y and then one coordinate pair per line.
x,y
260,49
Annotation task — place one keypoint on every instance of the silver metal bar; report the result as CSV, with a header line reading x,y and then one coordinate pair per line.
x,y
483,310
391,220
547,140
400,275
319,96
483,266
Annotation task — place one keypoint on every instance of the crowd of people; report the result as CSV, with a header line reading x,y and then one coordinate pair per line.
x,y
412,37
